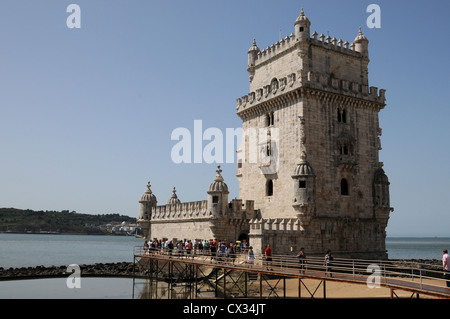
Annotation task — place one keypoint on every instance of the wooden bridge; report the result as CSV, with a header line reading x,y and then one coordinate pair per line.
x,y
200,275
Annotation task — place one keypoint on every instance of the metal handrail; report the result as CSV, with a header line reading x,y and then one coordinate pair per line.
x,y
359,269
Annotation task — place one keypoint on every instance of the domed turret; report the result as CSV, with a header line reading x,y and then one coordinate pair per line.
x,y
218,195
218,185
252,54
303,168
148,196
147,201
304,186
302,25
361,44
146,204
173,200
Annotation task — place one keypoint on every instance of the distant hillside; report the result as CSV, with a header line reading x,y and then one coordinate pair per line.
x,y
22,221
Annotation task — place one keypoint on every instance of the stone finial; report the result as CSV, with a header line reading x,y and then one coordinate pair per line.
x,y
322,37
303,156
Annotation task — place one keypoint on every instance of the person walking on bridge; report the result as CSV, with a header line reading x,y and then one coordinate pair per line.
x,y
328,262
446,266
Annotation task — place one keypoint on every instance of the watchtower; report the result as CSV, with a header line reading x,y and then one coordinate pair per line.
x,y
325,189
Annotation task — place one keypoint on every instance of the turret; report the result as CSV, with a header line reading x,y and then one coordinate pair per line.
x,y
304,190
382,206
218,195
173,200
146,204
361,44
252,56
381,189
302,25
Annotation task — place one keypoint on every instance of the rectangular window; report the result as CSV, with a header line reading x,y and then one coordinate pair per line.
x,y
215,199
302,184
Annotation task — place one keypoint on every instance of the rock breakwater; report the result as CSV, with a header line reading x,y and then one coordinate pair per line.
x,y
120,269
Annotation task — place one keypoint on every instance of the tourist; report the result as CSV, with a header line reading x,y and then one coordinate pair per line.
x,y
200,247
232,253
251,257
244,245
180,248
268,255
188,247
195,245
328,262
170,248
446,266
213,251
221,251
301,259
146,247
206,246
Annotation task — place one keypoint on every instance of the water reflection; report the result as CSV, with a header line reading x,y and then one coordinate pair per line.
x,y
153,289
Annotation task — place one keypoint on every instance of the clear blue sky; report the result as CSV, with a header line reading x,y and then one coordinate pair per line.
x,y
86,115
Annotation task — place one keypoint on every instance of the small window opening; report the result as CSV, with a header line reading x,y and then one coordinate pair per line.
x,y
344,187
215,199
301,29
269,188
302,184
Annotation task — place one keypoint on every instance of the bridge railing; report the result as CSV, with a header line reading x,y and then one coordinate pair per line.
x,y
357,270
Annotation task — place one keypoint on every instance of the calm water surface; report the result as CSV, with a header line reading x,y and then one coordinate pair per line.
x,y
25,250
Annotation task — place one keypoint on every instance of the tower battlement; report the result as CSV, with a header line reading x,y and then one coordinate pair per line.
x,y
289,42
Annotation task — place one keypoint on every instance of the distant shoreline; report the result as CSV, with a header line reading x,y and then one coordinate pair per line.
x,y
57,233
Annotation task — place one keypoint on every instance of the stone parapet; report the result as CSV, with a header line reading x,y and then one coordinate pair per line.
x,y
196,209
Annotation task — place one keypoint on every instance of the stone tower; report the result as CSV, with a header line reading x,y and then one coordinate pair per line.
x,y
309,157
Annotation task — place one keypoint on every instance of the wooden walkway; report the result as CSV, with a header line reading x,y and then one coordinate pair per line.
x,y
196,268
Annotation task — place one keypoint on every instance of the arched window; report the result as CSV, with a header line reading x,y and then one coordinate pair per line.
x,y
269,188
344,187
341,115
270,119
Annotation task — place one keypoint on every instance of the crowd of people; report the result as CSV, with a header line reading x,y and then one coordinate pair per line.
x,y
219,251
